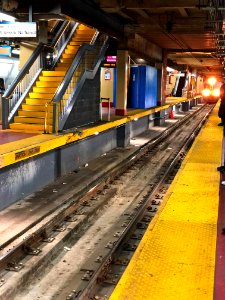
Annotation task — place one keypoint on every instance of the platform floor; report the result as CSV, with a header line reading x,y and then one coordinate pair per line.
x,y
16,145
176,258
108,115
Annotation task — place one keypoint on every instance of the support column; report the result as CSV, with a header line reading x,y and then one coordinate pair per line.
x,y
122,77
162,72
123,135
185,106
43,31
163,82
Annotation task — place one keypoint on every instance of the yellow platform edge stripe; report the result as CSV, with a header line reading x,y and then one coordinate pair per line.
x,y
20,150
176,257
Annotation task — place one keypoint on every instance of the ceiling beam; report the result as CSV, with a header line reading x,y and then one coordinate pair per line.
x,y
124,15
143,13
191,50
183,12
160,19
146,4
153,29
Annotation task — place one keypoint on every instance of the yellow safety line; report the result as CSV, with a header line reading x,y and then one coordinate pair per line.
x,y
176,257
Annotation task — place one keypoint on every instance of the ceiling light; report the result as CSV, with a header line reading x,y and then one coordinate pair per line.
x,y
16,51
168,69
140,60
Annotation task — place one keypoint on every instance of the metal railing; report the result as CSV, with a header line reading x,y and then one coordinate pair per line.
x,y
61,40
101,107
84,66
18,90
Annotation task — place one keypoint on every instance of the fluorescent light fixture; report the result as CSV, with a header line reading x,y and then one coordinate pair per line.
x,y
4,17
168,69
140,60
16,51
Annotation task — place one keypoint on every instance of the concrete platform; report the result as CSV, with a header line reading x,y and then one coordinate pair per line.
x,y
176,258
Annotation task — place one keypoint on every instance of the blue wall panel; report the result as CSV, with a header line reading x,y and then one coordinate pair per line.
x,y
143,90
142,86
148,87
132,100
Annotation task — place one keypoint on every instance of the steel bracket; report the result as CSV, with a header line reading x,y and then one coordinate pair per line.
x,y
31,251
13,266
2,281
88,274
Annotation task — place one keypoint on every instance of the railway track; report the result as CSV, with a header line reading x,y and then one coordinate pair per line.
x,y
110,217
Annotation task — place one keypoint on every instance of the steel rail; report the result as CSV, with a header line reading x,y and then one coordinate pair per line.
x,y
17,248
100,274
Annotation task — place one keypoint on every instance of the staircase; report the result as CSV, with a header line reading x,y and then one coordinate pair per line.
x,y
37,108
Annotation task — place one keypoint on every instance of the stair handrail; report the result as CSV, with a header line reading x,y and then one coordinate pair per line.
x,y
68,77
12,96
60,32
59,44
94,38
32,58
21,85
24,71
63,86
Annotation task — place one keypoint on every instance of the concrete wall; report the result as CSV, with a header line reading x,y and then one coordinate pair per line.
x,y
26,177
199,85
25,52
86,107
139,126
170,83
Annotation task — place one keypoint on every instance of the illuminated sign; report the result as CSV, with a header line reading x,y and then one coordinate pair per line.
x,y
109,65
18,29
5,50
110,59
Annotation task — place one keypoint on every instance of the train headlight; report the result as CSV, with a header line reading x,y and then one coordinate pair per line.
x,y
216,93
206,92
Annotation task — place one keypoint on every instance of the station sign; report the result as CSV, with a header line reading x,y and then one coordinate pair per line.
x,y
111,59
18,29
109,62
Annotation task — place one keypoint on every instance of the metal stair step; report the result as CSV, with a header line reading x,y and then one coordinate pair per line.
x,y
28,127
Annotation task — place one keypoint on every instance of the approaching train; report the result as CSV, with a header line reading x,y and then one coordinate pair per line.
x,y
211,92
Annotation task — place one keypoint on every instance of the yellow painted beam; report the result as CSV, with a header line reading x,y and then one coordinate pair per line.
x,y
13,152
